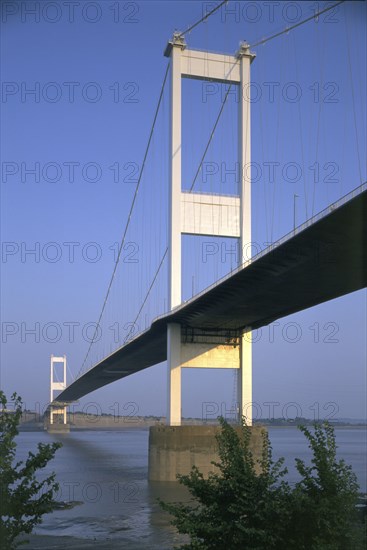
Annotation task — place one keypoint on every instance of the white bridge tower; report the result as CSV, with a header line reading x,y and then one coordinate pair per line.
x,y
58,385
207,214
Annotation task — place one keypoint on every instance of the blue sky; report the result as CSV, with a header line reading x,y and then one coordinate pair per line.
x,y
96,70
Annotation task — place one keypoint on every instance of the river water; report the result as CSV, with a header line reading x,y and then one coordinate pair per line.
x,y
106,472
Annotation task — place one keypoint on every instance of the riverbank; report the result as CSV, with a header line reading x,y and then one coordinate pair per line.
x,y
48,542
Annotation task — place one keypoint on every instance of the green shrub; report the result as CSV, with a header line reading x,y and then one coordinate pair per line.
x,y
23,498
240,507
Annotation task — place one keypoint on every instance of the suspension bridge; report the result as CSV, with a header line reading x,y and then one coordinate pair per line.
x,y
319,260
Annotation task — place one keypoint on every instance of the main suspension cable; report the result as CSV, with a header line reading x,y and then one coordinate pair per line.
x,y
128,219
202,19
287,29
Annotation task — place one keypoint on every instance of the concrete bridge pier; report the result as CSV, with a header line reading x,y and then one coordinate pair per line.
x,y
57,428
175,449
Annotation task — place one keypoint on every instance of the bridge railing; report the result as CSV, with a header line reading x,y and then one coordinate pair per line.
x,y
354,193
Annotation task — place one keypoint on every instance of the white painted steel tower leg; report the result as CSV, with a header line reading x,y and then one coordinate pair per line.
x,y
244,380
244,384
174,246
174,374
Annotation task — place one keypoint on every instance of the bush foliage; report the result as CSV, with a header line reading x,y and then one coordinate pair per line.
x,y
247,503
23,497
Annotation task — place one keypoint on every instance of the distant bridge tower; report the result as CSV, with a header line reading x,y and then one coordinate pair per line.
x,y
57,385
207,214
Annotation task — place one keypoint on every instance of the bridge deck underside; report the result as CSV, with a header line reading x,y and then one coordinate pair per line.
x,y
324,261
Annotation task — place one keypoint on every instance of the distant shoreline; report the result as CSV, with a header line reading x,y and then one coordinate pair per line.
x,y
105,423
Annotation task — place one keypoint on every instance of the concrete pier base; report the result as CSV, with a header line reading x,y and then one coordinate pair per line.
x,y
175,449
57,428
